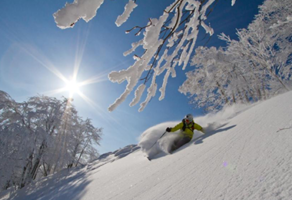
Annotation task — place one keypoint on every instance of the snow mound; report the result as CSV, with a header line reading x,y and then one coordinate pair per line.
x,y
120,153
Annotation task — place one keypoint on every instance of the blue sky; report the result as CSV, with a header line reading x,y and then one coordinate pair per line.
x,y
30,40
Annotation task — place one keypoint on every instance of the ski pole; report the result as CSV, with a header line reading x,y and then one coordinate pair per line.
x,y
158,139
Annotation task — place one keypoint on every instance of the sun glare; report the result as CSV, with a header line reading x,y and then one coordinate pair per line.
x,y
72,86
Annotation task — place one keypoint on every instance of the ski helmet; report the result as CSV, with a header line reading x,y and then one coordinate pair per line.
x,y
189,118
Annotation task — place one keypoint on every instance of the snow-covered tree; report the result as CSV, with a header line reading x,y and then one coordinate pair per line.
x,y
36,138
255,66
85,135
217,79
167,42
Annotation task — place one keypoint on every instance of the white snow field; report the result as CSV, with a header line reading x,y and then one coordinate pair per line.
x,y
248,157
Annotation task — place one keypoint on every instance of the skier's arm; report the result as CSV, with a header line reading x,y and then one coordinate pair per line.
x,y
177,127
199,128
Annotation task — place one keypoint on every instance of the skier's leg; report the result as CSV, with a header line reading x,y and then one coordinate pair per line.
x,y
183,141
174,144
179,143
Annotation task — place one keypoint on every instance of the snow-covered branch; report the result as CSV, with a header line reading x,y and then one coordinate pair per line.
x,y
79,9
128,10
176,34
168,42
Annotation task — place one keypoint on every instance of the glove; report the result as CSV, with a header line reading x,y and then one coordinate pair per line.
x,y
168,129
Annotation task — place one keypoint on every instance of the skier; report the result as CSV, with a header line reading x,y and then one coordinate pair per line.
x,y
187,126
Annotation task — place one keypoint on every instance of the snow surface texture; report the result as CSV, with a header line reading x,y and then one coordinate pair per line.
x,y
247,154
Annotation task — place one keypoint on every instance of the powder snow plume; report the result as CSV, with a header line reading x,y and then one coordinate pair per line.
x,y
152,135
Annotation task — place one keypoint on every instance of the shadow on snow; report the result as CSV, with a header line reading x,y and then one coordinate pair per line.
x,y
65,187
200,139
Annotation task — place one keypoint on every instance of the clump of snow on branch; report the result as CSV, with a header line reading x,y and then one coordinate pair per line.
x,y
134,46
280,23
208,29
79,9
126,14
151,93
138,94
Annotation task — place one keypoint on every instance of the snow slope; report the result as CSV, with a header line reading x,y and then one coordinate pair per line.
x,y
248,156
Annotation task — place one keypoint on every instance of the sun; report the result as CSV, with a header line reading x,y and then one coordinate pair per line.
x,y
72,87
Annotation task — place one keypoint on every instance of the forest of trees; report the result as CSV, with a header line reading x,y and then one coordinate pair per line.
x,y
42,136
256,66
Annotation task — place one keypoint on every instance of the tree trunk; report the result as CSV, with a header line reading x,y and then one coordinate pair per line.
x,y
240,95
45,170
233,97
36,165
26,170
273,74
73,155
80,155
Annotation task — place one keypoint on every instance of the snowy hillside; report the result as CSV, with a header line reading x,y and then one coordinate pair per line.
x,y
246,155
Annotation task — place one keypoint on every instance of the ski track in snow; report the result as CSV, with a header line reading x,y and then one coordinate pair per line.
x,y
248,158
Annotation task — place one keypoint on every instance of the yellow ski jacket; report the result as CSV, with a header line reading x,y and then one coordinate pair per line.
x,y
189,129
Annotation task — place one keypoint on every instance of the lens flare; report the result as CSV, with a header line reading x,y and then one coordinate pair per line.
x,y
73,87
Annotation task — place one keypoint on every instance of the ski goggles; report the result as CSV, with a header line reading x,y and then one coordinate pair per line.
x,y
187,121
